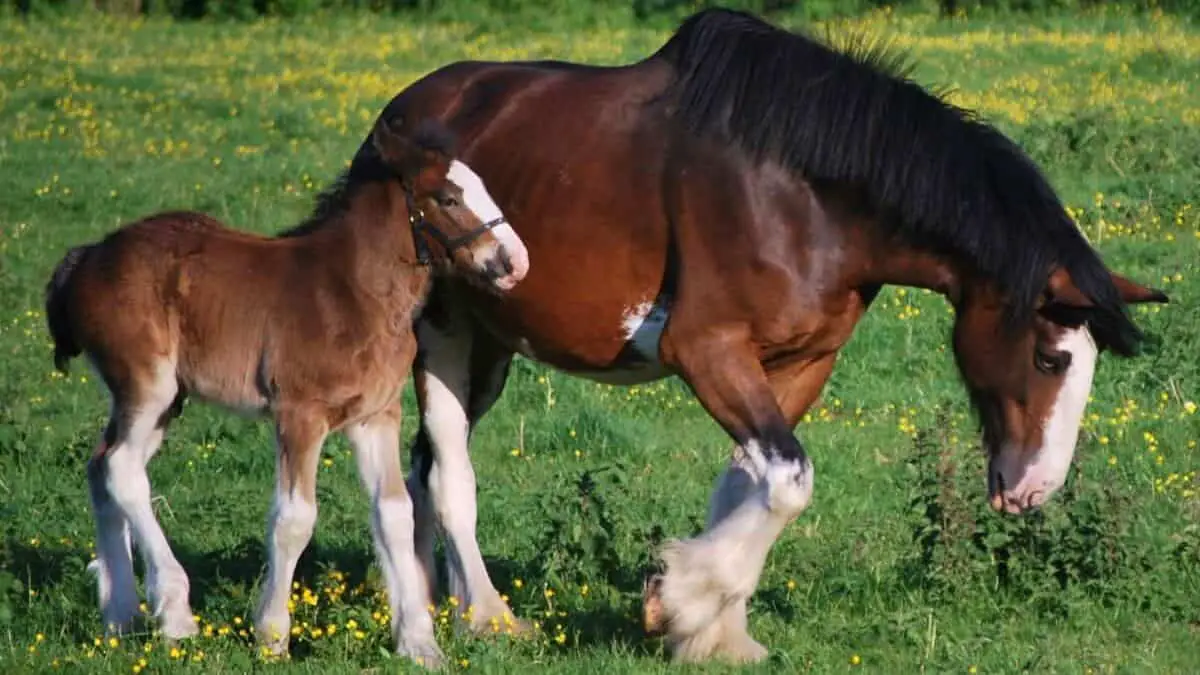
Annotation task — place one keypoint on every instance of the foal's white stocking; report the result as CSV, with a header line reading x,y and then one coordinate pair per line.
x,y
289,526
121,475
376,448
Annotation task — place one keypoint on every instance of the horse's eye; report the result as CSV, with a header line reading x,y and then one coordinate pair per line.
x,y
1051,364
449,202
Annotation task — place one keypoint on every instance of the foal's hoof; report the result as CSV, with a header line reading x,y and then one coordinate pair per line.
x,y
176,628
426,656
653,620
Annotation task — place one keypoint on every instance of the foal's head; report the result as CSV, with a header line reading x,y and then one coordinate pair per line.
x,y
1030,382
455,221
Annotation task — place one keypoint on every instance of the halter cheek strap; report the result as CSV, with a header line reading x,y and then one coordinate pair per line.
x,y
416,218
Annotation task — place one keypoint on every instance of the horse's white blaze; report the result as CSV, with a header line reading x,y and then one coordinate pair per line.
x,y
1032,484
480,202
756,497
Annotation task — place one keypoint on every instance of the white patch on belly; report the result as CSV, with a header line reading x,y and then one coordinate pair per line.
x,y
643,328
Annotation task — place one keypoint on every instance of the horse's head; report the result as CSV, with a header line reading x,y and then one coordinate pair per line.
x,y
449,207
1030,382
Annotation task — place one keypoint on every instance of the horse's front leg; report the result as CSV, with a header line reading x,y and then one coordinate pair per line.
x,y
376,443
458,375
700,599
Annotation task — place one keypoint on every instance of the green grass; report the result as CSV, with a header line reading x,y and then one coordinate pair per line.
x,y
897,562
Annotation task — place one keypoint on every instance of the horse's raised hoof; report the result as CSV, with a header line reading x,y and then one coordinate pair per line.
x,y
427,656
741,649
653,621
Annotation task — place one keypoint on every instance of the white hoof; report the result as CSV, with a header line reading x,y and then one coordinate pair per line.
x,y
741,648
427,655
176,626
495,618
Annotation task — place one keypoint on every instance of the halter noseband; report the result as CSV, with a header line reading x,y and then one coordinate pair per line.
x,y
416,218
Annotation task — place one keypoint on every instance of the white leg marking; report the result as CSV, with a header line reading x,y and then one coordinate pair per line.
x,y
377,452
128,485
289,530
452,480
477,198
1029,484
113,565
708,579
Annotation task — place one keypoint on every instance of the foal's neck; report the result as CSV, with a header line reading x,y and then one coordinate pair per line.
x,y
370,241
372,225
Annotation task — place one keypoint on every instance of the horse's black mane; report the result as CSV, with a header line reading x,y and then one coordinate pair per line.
x,y
939,176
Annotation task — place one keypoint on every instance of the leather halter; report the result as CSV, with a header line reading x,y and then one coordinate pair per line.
x,y
416,218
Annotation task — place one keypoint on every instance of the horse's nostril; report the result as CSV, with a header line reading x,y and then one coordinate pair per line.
x,y
498,266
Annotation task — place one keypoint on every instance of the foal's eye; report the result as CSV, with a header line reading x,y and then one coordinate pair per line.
x,y
448,201
1051,364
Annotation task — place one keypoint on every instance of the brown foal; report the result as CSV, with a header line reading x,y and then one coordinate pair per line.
x,y
313,327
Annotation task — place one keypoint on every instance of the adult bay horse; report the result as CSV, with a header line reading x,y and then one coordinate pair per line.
x,y
313,327
726,210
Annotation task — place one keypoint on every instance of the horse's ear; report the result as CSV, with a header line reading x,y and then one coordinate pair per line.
x,y
1134,293
1062,290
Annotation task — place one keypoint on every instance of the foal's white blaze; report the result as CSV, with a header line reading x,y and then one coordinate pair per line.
x,y
477,198
1031,485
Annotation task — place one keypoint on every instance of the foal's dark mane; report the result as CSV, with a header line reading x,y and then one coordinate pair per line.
x,y
368,167
938,176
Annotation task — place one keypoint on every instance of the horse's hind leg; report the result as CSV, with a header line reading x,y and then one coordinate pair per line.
x,y
143,403
299,432
458,375
376,443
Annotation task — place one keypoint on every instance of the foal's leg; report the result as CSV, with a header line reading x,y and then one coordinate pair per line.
x,y
376,443
120,491
299,433
457,381
701,595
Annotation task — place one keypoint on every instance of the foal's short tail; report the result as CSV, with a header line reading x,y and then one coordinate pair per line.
x,y
58,292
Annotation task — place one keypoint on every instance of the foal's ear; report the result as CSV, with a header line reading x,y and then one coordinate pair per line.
x,y
422,158
1061,289
395,149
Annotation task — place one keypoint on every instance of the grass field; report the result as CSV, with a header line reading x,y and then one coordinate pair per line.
x,y
896,568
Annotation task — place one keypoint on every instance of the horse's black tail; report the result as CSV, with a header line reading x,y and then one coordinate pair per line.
x,y
58,292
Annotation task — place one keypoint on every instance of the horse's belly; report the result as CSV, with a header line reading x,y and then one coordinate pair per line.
x,y
635,342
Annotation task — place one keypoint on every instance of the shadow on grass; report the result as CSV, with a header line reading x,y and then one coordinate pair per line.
x,y
230,577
